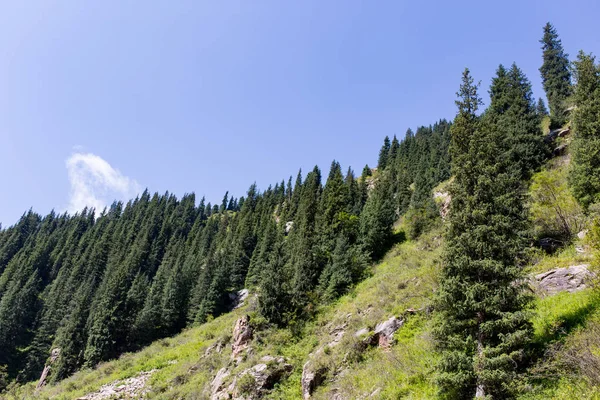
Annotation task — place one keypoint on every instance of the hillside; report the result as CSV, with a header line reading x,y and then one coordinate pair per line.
x,y
402,285
464,265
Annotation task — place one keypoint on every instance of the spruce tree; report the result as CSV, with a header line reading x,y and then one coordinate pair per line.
x,y
541,109
585,171
513,111
384,154
482,327
556,76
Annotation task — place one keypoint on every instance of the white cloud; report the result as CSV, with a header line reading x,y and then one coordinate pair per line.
x,y
95,183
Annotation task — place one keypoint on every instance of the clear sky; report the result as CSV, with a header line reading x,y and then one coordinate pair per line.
x,y
99,99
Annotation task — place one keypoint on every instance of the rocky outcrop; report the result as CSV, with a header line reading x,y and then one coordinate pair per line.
x,y
443,200
238,299
54,354
564,132
311,379
252,383
132,388
384,332
571,279
242,336
218,387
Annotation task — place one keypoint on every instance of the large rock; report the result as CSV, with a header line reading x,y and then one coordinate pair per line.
x,y
54,354
569,279
311,379
384,332
238,299
218,387
242,336
443,200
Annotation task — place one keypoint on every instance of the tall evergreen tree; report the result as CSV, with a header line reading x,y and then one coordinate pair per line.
x,y
482,326
556,76
585,171
384,154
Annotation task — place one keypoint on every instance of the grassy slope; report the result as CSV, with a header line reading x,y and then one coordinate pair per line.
x,y
404,279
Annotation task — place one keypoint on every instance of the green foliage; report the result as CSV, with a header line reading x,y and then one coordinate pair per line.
x,y
482,327
556,75
585,173
554,211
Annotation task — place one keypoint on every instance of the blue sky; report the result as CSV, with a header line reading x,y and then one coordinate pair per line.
x,y
101,98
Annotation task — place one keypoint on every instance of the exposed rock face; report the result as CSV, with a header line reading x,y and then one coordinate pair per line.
x,y
54,354
564,132
311,379
569,279
443,199
289,226
132,388
217,386
384,332
238,298
242,335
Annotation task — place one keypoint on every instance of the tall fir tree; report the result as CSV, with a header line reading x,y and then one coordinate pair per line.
x,y
556,75
482,326
585,170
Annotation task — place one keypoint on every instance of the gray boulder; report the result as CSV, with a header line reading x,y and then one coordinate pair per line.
x,y
571,279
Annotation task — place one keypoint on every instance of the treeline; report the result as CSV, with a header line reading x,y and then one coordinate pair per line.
x,y
98,285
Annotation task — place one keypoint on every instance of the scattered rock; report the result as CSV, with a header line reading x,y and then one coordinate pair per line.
x,y
581,235
238,299
571,279
560,150
242,336
216,347
54,354
337,334
580,249
311,379
289,226
132,388
384,332
252,383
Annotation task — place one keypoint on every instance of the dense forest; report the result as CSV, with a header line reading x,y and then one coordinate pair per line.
x,y
103,282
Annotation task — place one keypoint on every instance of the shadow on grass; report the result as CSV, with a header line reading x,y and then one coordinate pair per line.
x,y
563,324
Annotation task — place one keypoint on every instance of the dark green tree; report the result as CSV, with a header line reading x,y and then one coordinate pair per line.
x,y
556,76
585,171
482,326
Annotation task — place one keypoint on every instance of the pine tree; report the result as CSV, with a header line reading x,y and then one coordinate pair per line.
x,y
541,109
585,172
378,216
513,111
482,327
384,154
556,76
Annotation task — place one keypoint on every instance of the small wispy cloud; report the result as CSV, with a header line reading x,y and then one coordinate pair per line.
x,y
95,183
